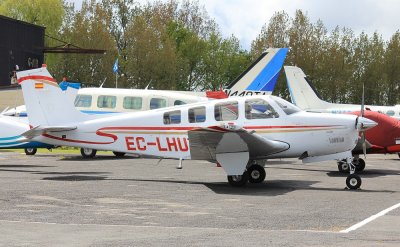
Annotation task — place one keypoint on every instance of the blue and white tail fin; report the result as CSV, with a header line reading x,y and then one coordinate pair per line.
x,y
46,103
301,91
261,76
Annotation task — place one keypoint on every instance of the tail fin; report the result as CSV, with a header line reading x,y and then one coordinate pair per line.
x,y
301,91
46,103
261,75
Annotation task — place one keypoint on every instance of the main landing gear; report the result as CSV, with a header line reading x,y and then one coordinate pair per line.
x,y
353,181
89,153
255,173
357,162
30,151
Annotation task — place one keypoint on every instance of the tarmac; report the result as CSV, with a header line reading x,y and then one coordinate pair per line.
x,y
65,200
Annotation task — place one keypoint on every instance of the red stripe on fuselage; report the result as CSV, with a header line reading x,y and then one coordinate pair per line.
x,y
82,141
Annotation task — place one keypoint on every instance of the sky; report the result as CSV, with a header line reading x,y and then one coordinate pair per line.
x,y
245,18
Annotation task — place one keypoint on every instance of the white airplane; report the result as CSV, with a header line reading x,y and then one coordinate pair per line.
x,y
239,133
259,78
262,74
303,95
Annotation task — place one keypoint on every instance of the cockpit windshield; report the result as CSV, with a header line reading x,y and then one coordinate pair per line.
x,y
287,107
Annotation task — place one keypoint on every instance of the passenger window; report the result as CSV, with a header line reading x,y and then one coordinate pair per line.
x,y
106,101
172,117
259,109
390,113
179,102
197,114
134,103
83,100
156,103
226,111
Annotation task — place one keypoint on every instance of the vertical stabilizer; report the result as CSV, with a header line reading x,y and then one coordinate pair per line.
x,y
46,103
261,75
301,92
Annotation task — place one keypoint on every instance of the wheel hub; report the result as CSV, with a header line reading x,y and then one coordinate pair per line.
x,y
353,182
255,174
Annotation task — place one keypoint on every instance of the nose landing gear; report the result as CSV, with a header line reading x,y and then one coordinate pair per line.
x,y
353,181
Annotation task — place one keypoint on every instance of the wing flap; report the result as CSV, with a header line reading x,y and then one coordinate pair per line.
x,y
40,130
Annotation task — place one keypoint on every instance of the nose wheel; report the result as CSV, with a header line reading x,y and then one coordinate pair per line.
x,y
353,181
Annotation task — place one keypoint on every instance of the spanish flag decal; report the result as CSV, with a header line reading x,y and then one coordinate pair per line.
x,y
39,85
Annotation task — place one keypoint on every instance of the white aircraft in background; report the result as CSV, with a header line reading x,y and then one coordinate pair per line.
x,y
259,78
304,96
262,74
238,133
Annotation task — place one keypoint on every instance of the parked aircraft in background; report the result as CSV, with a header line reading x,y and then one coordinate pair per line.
x,y
238,133
262,74
304,96
383,139
10,136
259,78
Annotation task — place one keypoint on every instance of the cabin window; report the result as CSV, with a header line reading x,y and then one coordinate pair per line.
x,y
259,109
83,100
106,101
287,107
179,102
172,117
156,103
390,113
132,103
197,114
226,111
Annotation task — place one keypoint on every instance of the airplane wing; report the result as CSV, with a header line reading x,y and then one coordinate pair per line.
x,y
231,146
39,130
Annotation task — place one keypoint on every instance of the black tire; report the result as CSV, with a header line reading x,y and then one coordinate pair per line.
x,y
353,181
88,153
360,165
239,180
30,151
343,167
119,154
256,174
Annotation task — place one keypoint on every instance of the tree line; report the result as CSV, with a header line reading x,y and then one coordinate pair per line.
x,y
177,45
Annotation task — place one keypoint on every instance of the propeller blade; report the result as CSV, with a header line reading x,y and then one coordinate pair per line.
x,y
362,102
364,144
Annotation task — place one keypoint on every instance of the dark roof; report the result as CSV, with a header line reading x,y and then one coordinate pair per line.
x,y
20,22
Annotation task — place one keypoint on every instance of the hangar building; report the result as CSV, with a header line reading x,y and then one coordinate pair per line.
x,y
21,44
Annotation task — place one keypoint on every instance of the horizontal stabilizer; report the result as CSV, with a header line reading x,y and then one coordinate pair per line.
x,y
39,130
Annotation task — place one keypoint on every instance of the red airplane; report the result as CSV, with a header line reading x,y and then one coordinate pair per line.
x,y
383,139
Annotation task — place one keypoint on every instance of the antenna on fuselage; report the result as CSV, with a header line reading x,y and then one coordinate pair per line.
x,y
101,86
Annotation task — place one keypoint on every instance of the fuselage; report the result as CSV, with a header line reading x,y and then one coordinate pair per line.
x,y
164,132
